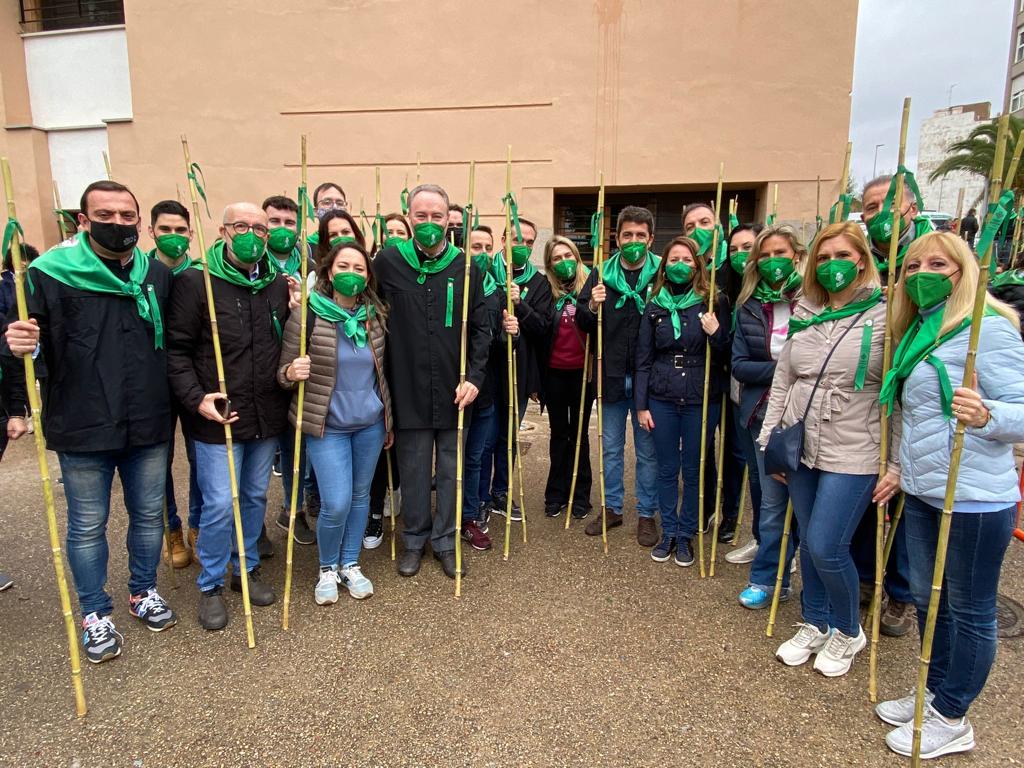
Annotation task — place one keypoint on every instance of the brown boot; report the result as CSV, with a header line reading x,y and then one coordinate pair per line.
x,y
646,532
594,526
193,538
180,557
897,618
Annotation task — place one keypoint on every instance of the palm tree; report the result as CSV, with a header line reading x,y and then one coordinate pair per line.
x,y
975,153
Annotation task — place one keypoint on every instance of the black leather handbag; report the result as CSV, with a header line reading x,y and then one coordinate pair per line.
x,y
786,444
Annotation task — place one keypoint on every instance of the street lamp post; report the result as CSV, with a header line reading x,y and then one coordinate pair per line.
x,y
874,168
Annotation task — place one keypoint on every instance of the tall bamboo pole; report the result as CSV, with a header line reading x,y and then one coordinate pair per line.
x,y
959,208
382,236
463,342
57,209
883,452
300,395
720,471
222,388
579,433
509,352
707,376
958,444
516,447
743,503
106,165
775,203
781,569
1015,248
844,181
599,262
44,467
817,202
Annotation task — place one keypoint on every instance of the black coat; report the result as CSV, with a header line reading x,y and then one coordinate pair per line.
x,y
250,344
13,395
422,356
1014,296
752,363
106,388
534,315
672,369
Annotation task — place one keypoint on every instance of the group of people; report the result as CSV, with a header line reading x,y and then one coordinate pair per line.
x,y
744,335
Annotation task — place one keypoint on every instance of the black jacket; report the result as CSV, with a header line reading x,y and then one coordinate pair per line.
x,y
672,369
619,336
13,395
1014,296
250,343
534,315
422,356
969,226
752,363
106,388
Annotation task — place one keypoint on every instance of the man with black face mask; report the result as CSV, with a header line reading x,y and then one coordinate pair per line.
x,y
454,232
97,308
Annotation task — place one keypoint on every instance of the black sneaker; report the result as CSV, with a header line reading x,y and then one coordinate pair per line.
x,y
374,534
264,546
684,553
499,506
277,464
151,609
260,593
100,640
553,510
213,612
303,533
663,550
727,532
580,511
484,516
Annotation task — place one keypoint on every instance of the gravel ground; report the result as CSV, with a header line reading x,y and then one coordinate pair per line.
x,y
559,657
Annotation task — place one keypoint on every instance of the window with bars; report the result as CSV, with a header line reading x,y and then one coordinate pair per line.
x,y
51,15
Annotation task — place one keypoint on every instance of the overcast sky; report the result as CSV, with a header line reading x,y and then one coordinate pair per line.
x,y
919,48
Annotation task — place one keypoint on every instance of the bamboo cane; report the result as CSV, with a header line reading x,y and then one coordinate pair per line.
x,y
958,444
167,540
844,181
883,452
743,504
787,526
222,388
775,203
1015,248
381,236
417,168
959,209
509,352
61,224
717,519
516,445
44,468
707,377
579,433
599,262
463,341
300,395
817,201
391,499
106,165
894,521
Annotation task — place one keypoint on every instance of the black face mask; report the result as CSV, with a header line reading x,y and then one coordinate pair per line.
x,y
454,236
117,238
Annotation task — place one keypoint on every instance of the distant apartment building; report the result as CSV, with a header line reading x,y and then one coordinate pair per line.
x,y
944,127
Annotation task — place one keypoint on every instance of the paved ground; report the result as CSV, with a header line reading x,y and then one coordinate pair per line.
x,y
559,657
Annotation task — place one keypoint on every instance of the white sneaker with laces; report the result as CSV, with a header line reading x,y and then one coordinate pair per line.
x,y
744,554
938,737
836,658
797,650
900,711
326,592
358,585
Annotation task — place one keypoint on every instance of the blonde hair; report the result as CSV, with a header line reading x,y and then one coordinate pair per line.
x,y
751,277
960,303
700,281
867,277
557,287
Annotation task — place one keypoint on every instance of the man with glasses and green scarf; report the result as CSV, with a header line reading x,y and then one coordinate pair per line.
x,y
251,300
97,316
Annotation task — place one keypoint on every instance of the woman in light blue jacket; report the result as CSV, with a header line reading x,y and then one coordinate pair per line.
x,y
931,317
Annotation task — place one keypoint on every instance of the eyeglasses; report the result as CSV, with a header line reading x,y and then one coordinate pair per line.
x,y
241,227
332,202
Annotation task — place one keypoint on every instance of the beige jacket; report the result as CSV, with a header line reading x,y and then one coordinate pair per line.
x,y
842,429
322,350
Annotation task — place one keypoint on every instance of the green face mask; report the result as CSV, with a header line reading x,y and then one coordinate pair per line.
x,y
340,239
775,269
172,246
837,274
428,234
738,260
679,273
349,283
926,289
393,241
880,227
634,251
564,269
703,238
483,261
282,240
521,255
248,248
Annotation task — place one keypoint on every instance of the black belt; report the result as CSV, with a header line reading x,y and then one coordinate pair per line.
x,y
687,361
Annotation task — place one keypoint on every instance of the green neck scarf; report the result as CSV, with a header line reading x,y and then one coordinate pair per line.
x,y
917,344
768,295
521,279
354,324
569,297
215,262
77,266
186,262
614,275
675,305
1009,277
430,266
854,308
291,264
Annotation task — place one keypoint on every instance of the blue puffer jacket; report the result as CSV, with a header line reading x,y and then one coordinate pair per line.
x,y
987,469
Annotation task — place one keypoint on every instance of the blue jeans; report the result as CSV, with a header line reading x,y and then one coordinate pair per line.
x,y
828,506
733,461
897,569
487,468
87,481
217,542
774,499
499,485
286,444
344,463
964,647
482,430
676,425
613,453
195,496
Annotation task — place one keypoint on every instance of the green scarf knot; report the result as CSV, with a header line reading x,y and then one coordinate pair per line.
x,y
768,295
352,323
429,266
614,275
675,305
854,308
521,279
215,263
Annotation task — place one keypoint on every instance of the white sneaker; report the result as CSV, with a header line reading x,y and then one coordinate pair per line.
x,y
797,650
744,554
358,585
900,711
836,658
938,737
326,592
